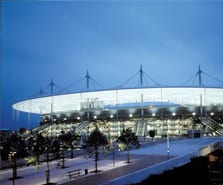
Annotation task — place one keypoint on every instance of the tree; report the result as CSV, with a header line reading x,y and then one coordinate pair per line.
x,y
22,131
95,140
63,140
15,143
14,148
47,147
39,146
56,148
73,142
129,139
6,148
70,140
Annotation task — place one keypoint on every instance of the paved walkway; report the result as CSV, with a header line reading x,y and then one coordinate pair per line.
x,y
140,158
137,163
145,157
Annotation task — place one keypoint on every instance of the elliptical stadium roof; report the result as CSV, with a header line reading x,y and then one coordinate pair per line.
x,y
123,98
126,98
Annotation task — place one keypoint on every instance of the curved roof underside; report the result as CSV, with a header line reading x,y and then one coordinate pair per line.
x,y
122,98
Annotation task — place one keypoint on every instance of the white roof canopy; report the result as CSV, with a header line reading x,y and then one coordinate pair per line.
x,y
186,96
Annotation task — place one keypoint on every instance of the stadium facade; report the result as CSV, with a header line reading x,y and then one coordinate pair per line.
x,y
167,110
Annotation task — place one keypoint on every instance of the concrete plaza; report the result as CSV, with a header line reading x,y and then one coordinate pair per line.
x,y
152,157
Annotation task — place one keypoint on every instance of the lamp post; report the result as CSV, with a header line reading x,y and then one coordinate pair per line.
x,y
12,159
114,145
47,167
167,139
113,155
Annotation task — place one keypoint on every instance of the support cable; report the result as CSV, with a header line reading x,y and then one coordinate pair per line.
x,y
198,75
143,77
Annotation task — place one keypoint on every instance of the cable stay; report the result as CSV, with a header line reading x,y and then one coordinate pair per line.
x,y
51,86
39,93
156,83
143,77
86,82
91,81
193,78
212,77
127,81
47,90
198,76
71,85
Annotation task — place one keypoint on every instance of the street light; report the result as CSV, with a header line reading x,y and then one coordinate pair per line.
x,y
167,139
12,160
114,144
47,167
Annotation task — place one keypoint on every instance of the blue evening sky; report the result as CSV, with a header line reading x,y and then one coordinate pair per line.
x,y
61,40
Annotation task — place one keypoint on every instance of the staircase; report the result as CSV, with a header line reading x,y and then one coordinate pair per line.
x,y
140,128
36,130
81,126
213,126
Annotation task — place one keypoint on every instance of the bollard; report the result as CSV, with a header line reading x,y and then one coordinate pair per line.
x,y
86,171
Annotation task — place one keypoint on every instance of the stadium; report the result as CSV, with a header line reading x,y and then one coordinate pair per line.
x,y
175,111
